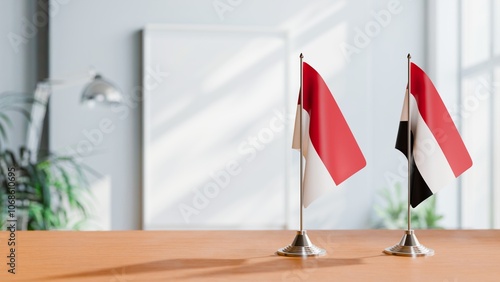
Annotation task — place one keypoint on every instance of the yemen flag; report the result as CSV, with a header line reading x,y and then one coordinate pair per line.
x,y
439,154
332,154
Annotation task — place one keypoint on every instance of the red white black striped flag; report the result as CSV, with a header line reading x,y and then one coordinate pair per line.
x,y
439,154
331,152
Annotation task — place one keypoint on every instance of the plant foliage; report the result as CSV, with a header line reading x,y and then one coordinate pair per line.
x,y
51,190
393,213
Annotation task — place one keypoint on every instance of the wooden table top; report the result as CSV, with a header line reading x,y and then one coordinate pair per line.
x,y
461,255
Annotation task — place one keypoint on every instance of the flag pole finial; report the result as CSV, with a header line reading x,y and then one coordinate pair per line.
x,y
301,56
409,56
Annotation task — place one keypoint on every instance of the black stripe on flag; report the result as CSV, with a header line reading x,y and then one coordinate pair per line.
x,y
419,189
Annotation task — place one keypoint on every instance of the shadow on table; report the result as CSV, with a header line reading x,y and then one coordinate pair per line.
x,y
288,267
223,267
154,266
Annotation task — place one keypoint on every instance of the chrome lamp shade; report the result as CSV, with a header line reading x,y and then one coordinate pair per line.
x,y
102,91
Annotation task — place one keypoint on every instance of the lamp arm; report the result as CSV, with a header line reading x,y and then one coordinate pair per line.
x,y
98,88
38,111
71,81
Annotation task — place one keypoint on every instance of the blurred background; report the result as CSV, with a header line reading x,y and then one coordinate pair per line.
x,y
201,135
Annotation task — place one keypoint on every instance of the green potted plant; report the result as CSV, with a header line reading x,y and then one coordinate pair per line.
x,y
392,214
50,192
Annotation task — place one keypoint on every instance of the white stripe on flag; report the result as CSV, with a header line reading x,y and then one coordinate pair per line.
x,y
305,130
429,158
317,179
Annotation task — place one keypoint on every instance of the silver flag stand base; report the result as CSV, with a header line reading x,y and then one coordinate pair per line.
x,y
301,247
409,247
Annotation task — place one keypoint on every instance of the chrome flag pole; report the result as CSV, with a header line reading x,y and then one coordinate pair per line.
x,y
409,245
301,142
301,245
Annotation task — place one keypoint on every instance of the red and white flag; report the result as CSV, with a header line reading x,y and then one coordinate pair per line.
x,y
331,152
439,154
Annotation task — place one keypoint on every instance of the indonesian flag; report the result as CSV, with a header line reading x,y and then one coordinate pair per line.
x,y
332,154
439,154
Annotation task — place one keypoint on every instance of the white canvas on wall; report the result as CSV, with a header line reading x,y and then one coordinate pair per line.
x,y
214,128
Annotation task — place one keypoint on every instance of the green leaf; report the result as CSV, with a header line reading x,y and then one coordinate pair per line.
x,y
3,134
6,119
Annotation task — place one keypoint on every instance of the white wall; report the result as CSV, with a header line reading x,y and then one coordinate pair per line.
x,y
369,87
467,89
18,59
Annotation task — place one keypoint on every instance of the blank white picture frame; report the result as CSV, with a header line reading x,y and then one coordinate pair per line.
x,y
215,127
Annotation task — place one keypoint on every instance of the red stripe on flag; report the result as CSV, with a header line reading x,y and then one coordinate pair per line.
x,y
437,118
328,130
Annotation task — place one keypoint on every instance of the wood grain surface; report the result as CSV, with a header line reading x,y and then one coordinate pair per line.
x,y
461,255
